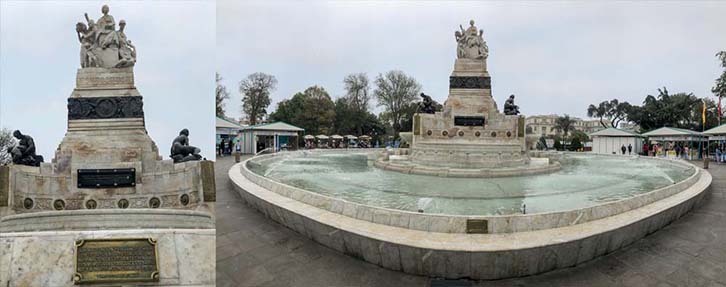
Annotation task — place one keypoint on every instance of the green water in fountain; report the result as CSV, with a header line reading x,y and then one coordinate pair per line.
x,y
584,180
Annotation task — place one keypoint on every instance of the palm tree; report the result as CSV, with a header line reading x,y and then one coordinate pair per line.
x,y
564,124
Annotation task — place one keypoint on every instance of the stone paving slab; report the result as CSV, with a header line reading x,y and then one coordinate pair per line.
x,y
253,250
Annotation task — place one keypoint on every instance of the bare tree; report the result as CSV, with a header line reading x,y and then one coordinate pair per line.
x,y
395,91
356,89
221,94
6,140
255,90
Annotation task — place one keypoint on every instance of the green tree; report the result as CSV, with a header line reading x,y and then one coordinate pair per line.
x,y
312,110
681,110
617,112
255,90
599,111
578,139
395,91
719,90
289,110
564,124
221,94
348,118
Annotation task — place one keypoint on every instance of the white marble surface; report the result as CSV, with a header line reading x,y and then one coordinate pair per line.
x,y
479,256
186,256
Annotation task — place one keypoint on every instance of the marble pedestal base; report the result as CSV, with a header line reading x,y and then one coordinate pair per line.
x,y
186,256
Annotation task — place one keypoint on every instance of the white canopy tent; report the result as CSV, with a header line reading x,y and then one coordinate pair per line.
x,y
611,141
668,138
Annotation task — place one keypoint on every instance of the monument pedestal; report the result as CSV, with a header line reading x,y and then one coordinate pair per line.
x,y
469,133
107,181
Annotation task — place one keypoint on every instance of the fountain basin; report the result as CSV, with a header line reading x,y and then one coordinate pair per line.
x,y
439,245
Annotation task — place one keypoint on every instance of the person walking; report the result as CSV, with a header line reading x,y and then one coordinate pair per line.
x,y
622,148
221,147
678,151
630,149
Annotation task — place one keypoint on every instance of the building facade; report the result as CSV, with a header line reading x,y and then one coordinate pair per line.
x,y
544,125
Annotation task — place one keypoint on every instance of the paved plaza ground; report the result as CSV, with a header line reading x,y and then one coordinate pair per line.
x,y
253,250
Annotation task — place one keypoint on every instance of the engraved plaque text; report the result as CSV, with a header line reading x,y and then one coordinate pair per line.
x,y
116,260
106,178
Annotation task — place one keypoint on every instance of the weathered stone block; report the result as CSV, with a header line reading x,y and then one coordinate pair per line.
x,y
4,185
209,186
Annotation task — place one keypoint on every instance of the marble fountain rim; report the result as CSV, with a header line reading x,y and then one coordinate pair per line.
x,y
107,219
460,255
453,223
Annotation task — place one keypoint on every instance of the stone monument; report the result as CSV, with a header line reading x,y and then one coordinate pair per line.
x,y
470,137
107,195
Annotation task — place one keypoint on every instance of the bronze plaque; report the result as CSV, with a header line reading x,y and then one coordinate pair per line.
x,y
116,260
477,226
469,121
106,178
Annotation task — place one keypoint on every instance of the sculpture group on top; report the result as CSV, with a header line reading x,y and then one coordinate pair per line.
x,y
470,43
102,45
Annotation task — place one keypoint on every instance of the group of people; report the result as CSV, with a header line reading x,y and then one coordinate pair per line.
x,y
674,149
629,149
225,147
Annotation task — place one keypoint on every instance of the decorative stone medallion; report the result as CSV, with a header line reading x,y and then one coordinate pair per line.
x,y
123,203
28,203
59,204
91,204
154,202
184,199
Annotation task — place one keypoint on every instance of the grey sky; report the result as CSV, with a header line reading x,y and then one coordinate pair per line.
x,y
174,70
557,57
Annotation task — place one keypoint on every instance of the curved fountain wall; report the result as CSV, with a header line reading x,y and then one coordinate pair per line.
x,y
457,223
438,245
